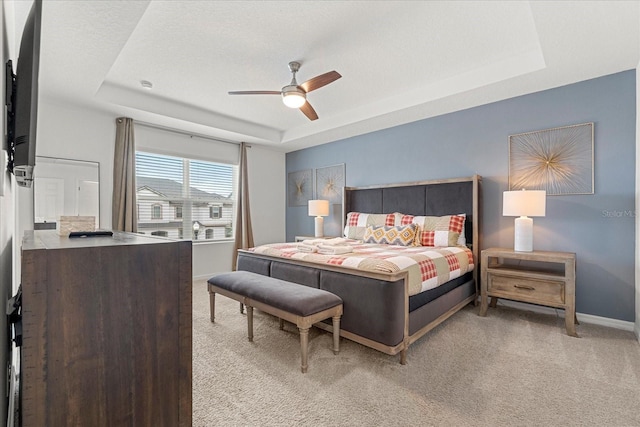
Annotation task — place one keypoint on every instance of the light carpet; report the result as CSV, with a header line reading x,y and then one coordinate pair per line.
x,y
511,368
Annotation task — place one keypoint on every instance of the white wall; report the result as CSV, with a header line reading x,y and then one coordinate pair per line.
x,y
267,190
6,201
637,325
80,133
267,203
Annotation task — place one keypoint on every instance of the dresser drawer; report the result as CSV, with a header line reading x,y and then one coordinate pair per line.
x,y
546,292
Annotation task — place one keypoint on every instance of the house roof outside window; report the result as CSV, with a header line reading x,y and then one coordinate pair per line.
x,y
170,189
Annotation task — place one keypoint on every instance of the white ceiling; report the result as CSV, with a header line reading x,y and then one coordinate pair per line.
x,y
400,61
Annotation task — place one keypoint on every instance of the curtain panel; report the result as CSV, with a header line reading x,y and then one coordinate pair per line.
x,y
124,216
244,233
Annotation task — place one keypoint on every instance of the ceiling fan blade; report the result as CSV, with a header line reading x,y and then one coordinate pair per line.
x,y
255,92
319,81
308,111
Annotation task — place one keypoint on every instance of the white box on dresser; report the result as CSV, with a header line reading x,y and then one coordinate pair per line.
x,y
67,224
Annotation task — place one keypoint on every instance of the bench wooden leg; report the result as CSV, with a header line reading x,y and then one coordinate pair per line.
x,y
304,347
250,322
281,324
212,305
336,334
241,308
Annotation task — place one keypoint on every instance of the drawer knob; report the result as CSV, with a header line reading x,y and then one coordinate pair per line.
x,y
527,287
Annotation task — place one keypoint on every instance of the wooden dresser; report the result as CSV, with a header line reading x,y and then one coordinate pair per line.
x,y
106,331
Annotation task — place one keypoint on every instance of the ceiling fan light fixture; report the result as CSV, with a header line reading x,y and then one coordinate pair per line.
x,y
293,96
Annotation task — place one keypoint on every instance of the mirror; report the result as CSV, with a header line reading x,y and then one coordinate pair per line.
x,y
65,187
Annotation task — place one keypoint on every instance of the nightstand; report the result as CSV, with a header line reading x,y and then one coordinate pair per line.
x,y
538,277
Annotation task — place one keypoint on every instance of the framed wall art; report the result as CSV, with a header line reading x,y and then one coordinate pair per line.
x,y
330,182
300,187
558,160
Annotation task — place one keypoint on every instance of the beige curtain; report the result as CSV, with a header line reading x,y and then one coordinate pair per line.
x,y
124,216
244,233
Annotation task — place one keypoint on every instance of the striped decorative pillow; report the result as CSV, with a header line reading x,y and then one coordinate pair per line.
x,y
402,235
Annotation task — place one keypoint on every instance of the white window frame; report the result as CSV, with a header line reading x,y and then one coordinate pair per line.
x,y
217,209
155,206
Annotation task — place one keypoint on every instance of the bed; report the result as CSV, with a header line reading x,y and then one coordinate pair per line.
x,y
383,308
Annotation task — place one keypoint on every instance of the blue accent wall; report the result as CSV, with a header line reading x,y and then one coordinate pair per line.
x,y
599,228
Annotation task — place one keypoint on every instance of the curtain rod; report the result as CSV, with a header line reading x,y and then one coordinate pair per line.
x,y
181,132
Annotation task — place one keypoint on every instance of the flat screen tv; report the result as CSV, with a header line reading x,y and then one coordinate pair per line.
x,y
22,101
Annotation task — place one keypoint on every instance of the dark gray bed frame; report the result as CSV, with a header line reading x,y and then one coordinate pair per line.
x,y
376,305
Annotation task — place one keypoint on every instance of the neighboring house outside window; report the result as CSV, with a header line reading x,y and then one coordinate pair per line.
x,y
175,193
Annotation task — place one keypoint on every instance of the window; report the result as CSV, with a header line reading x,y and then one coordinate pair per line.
x,y
198,191
214,211
156,211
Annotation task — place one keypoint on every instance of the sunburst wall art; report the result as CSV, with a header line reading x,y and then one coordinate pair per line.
x,y
300,187
329,183
558,160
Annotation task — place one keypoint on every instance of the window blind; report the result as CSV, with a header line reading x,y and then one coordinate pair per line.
x,y
176,195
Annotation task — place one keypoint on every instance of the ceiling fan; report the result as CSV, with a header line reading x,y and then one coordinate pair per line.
x,y
295,95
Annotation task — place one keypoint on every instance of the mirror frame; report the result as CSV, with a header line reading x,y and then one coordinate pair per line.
x,y
53,159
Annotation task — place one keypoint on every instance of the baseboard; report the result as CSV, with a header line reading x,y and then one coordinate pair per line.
x,y
583,318
204,276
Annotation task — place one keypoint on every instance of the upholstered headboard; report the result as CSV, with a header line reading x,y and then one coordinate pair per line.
x,y
434,198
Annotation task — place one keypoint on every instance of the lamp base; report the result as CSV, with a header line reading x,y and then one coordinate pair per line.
x,y
319,226
523,241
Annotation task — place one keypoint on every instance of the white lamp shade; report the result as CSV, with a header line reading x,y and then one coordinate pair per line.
x,y
524,203
318,207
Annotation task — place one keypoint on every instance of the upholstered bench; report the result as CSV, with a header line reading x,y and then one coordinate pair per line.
x,y
295,303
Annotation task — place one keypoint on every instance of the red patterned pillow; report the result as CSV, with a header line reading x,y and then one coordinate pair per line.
x,y
438,230
357,223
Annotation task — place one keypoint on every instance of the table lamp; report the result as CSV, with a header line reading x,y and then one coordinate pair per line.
x,y
523,204
319,208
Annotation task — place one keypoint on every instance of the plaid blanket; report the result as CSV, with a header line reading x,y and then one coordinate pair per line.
x,y
428,267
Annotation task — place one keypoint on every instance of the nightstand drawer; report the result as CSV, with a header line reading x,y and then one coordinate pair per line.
x,y
525,289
